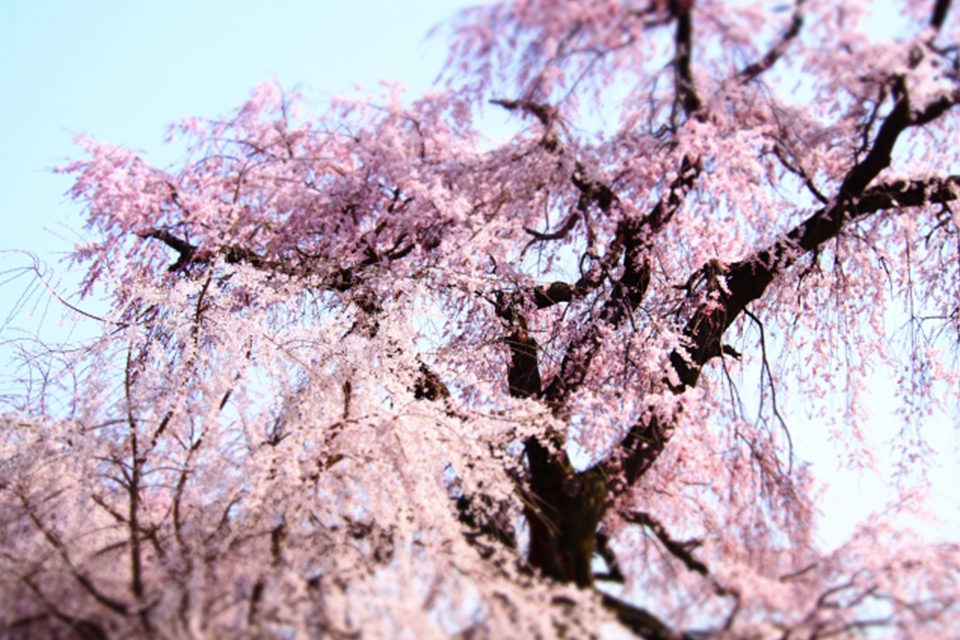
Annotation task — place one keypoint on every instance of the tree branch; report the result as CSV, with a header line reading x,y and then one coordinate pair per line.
x,y
54,540
753,70
685,87
734,286
562,232
545,113
745,281
939,14
635,238
645,624
186,251
679,550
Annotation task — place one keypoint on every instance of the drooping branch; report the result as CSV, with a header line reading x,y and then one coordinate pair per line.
x,y
878,158
81,628
340,279
683,551
796,169
486,519
546,114
133,492
613,573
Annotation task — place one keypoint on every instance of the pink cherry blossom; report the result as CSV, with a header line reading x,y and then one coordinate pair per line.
x,y
368,373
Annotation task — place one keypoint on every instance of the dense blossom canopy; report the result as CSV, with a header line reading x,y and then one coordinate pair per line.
x,y
368,373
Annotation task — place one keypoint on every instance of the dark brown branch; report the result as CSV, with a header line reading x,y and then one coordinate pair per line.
x,y
562,232
592,191
753,70
564,509
746,280
939,14
37,626
643,445
545,113
679,550
544,296
483,516
734,286
800,172
685,87
613,573
341,280
935,109
186,251
182,247
635,239
547,296
879,155
523,372
645,624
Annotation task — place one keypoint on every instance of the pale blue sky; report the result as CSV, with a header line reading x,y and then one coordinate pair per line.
x,y
121,71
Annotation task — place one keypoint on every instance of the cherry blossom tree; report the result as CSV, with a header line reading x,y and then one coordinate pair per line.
x,y
368,373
